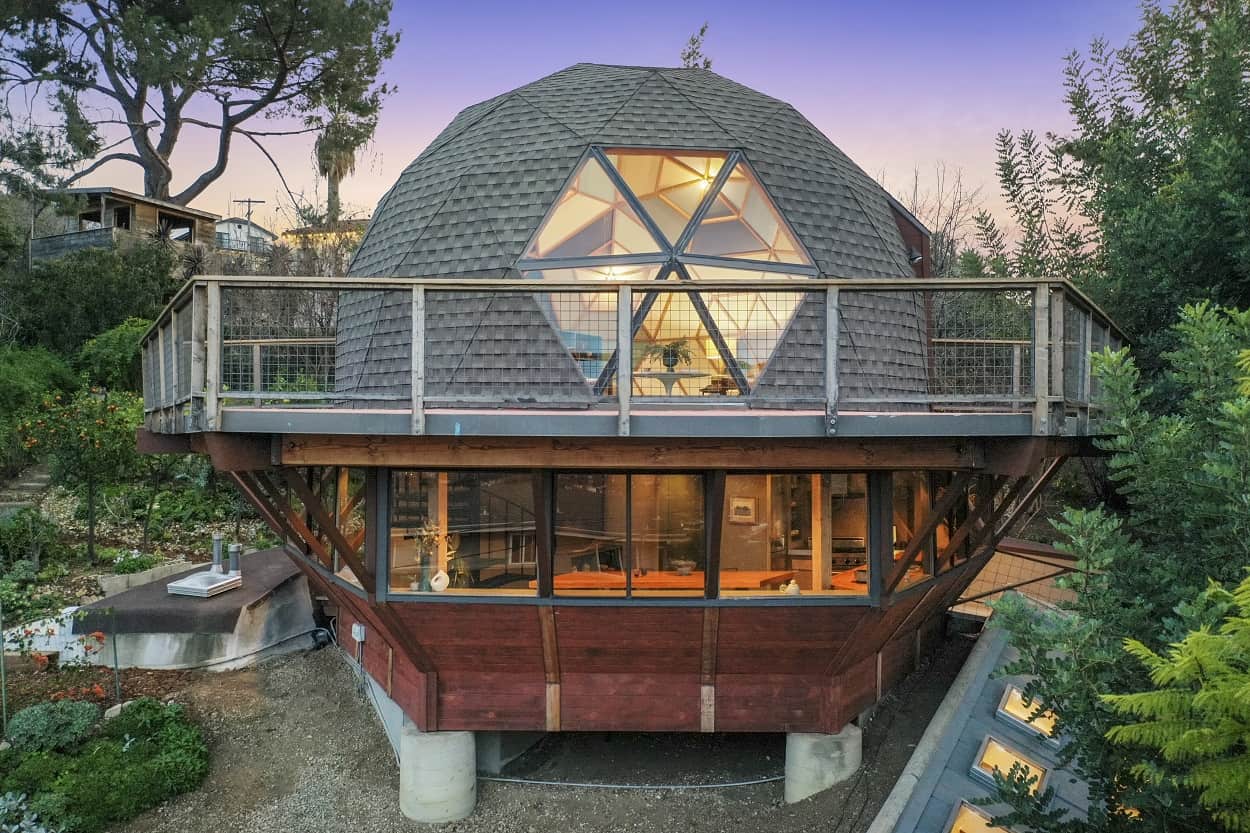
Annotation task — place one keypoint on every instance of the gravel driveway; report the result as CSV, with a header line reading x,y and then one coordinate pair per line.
x,y
296,747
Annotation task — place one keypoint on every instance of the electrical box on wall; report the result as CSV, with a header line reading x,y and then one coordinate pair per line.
x,y
358,632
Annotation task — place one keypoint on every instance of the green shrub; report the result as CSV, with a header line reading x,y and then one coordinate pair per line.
x,y
26,376
126,562
50,727
111,359
34,770
29,535
24,603
17,816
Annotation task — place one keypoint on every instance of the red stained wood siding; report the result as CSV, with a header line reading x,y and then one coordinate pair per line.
x,y
640,668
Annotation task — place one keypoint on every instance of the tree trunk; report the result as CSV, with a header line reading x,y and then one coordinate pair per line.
x,y
91,520
333,207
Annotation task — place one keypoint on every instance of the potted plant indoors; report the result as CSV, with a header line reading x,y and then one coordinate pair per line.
x,y
669,353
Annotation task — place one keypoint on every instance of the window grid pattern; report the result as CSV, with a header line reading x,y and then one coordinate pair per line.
x,y
278,341
1075,358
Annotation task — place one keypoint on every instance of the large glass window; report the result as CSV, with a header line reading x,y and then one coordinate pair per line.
x,y
805,533
629,535
1030,714
911,508
592,217
456,532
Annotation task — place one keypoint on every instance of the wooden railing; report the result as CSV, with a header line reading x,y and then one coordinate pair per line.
x,y
781,357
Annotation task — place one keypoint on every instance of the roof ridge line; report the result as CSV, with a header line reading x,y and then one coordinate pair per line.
x,y
531,103
446,196
695,105
630,98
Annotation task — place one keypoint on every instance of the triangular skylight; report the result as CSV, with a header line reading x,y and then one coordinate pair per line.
x,y
591,218
743,223
671,186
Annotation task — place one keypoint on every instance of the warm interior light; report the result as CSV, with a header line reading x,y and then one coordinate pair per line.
x,y
704,183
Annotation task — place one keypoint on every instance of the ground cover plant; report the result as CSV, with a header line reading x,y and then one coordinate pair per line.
x,y
81,775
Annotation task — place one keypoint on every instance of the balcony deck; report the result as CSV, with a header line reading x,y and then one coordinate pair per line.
x,y
780,358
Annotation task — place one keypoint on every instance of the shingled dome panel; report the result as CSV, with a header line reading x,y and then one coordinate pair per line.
x,y
681,172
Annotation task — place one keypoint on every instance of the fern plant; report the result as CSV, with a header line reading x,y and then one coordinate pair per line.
x,y
1198,714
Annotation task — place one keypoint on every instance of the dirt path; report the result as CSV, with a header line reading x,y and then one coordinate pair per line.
x,y
297,748
24,490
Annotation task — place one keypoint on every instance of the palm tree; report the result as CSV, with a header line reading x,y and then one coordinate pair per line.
x,y
335,152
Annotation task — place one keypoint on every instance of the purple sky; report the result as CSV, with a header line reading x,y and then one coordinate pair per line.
x,y
897,86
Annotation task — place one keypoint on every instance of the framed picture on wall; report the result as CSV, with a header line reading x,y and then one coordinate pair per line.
x,y
742,510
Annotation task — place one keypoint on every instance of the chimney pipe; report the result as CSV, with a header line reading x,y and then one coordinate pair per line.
x,y
235,549
217,552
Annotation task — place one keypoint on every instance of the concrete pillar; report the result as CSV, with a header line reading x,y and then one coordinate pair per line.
x,y
815,762
437,774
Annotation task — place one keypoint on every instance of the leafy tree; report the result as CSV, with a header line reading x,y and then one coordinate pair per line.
x,y
112,359
1195,714
89,439
692,56
1159,165
1186,477
62,303
155,64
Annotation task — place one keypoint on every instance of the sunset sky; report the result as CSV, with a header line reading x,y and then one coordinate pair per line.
x,y
897,86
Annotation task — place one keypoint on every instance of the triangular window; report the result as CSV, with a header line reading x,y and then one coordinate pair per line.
x,y
743,223
670,186
592,218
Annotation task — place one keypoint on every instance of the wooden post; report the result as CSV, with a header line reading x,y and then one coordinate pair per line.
x,y
258,368
418,360
1017,369
212,357
880,543
713,518
1041,359
175,351
443,520
822,568
831,360
624,356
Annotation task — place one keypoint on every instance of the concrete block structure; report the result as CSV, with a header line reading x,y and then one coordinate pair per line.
x,y
639,411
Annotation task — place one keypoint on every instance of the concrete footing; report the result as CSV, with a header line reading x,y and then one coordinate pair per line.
x,y
815,762
437,775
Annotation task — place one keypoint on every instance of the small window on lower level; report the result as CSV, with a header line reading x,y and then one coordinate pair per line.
x,y
996,756
1029,714
970,819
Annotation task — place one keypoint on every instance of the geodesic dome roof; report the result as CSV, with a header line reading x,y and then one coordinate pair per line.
x,y
630,153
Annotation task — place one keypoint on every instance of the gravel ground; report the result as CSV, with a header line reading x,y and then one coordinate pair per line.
x,y
296,747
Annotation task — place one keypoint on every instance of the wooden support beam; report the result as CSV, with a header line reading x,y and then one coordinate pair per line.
x,y
544,533
713,514
260,504
957,489
707,669
238,452
147,442
326,524
739,454
551,664
975,521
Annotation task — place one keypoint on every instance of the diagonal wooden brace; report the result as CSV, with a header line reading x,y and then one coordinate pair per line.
x,y
957,489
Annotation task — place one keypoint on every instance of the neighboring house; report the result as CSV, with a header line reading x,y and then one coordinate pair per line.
x,y
983,724
238,234
106,216
637,412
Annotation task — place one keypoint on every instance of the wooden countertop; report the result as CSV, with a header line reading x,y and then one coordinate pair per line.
x,y
670,580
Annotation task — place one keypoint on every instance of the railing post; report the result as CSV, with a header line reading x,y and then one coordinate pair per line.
x,y
831,360
1041,359
212,357
624,356
176,353
418,360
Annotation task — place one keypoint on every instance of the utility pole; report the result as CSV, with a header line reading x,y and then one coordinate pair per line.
x,y
249,202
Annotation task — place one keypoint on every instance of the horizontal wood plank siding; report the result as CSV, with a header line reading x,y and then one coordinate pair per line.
x,y
629,702
765,702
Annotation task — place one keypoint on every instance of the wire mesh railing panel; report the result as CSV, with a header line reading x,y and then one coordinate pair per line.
x,y
167,366
942,349
709,343
517,347
1100,339
1076,321
182,325
150,381
278,345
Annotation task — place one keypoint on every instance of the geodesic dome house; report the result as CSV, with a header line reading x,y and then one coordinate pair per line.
x,y
639,411
572,178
